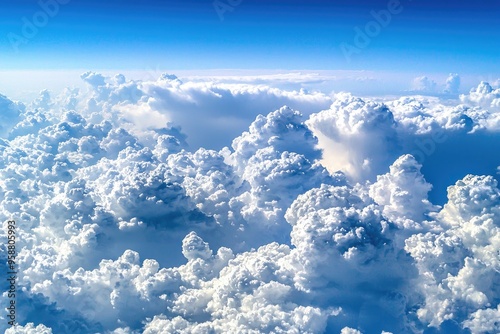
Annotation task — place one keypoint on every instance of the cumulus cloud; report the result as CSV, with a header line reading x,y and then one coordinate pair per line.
x,y
484,321
483,95
403,193
362,137
30,328
452,84
349,330
424,84
314,222
353,122
427,86
230,106
459,266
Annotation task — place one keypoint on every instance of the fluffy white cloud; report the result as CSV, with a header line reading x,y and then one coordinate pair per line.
x,y
349,330
403,193
484,321
251,295
459,267
353,122
424,84
344,249
427,86
362,137
30,328
486,99
222,110
452,85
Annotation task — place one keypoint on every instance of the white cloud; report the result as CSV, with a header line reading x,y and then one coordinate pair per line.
x,y
484,321
93,79
349,330
458,267
362,137
487,100
452,84
424,84
222,111
449,87
403,192
30,328
352,122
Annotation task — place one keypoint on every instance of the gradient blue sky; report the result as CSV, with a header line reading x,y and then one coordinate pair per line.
x,y
432,36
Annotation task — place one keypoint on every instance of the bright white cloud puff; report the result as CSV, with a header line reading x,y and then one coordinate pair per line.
x,y
302,224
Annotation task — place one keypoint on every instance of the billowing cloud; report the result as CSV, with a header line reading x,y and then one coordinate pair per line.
x,y
318,222
353,122
427,86
483,95
424,84
403,193
30,328
452,84
362,137
221,110
459,267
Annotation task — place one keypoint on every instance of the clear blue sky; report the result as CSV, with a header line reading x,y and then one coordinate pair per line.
x,y
452,36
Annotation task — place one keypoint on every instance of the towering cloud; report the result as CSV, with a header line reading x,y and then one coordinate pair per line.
x,y
452,85
483,95
353,122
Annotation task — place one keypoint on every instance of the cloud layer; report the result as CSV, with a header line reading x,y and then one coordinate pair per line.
x,y
304,223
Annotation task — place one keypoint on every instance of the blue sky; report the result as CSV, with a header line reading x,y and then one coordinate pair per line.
x,y
432,36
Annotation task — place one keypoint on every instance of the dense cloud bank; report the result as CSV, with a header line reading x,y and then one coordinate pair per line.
x,y
125,229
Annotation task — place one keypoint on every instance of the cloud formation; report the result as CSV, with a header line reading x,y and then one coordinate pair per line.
x,y
452,84
424,84
304,223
